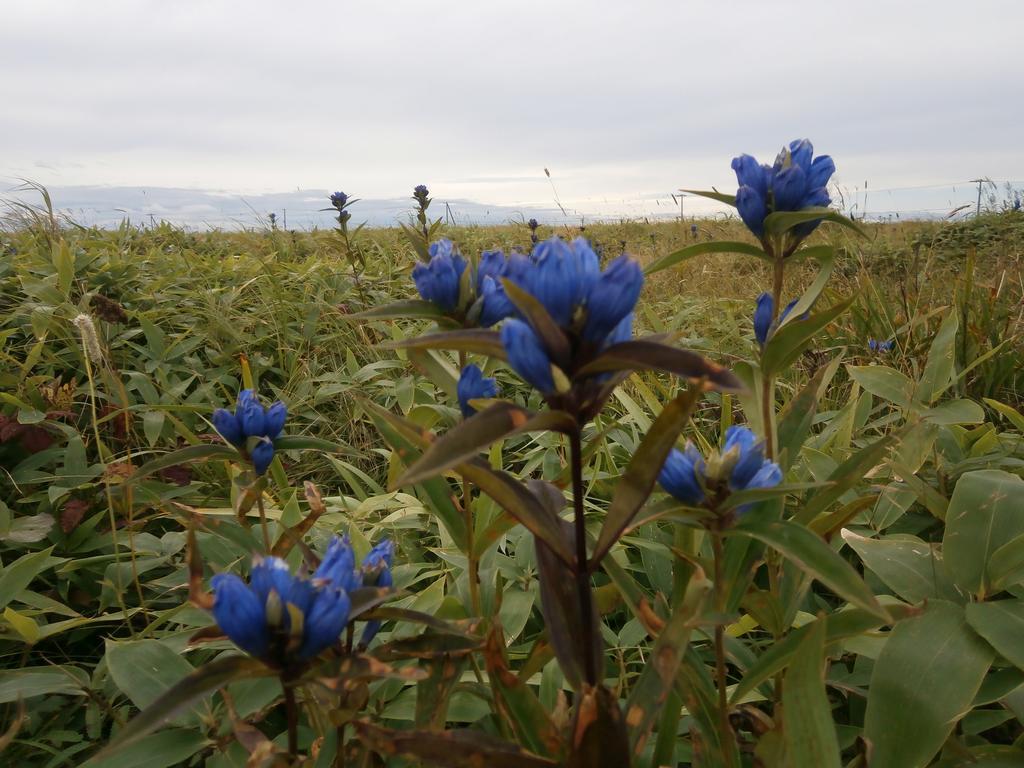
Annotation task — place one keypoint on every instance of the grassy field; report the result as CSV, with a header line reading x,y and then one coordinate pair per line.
x,y
94,560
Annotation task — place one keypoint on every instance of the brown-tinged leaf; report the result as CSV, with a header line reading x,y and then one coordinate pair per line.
x,y
645,355
480,341
600,739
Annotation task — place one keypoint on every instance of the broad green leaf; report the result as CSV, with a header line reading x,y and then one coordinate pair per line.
x,y
844,477
955,412
17,575
159,750
886,383
145,669
713,194
941,365
183,455
984,513
797,417
467,439
478,340
826,260
27,682
644,355
782,221
812,555
182,695
658,677
638,479
807,715
1001,623
924,681
699,249
911,568
1012,415
789,341
1006,565
453,748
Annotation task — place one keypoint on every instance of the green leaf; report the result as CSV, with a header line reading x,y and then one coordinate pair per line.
x,y
643,355
145,669
310,443
924,680
699,249
637,481
159,750
911,568
406,308
27,682
467,439
183,455
454,749
514,497
658,677
181,696
984,513
1006,565
826,260
844,477
1013,416
713,194
477,340
955,412
1001,623
939,371
887,383
783,221
789,341
17,575
812,555
807,716
797,417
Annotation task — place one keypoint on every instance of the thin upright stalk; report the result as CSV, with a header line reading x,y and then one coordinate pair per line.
x,y
582,567
768,382
724,726
291,710
263,521
473,564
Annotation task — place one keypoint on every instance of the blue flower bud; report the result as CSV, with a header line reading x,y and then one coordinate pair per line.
x,y
240,613
790,188
275,417
420,191
763,317
262,454
752,209
800,152
768,476
679,475
821,171
438,280
492,265
527,356
324,622
496,303
554,281
750,456
339,565
622,332
227,425
338,200
472,386
271,573
613,297
750,173
252,418
532,224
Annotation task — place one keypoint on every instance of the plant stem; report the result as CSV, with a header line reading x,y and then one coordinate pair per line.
x,y
291,710
768,382
724,726
263,522
582,567
473,564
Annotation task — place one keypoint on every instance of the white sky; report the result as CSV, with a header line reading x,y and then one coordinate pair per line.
x,y
622,101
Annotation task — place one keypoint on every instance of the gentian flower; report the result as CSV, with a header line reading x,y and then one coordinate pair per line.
x,y
251,421
527,356
797,180
496,305
740,466
376,572
338,200
278,617
492,265
763,311
420,193
472,386
612,297
438,280
881,346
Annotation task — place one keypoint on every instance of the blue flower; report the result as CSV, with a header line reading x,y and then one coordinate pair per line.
x,y
376,572
338,200
279,617
339,565
438,280
742,464
252,420
797,180
419,193
527,356
492,265
681,474
562,276
763,311
612,297
473,386
496,304
881,346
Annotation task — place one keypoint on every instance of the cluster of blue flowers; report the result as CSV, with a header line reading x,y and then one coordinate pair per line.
x,y
881,346
797,180
285,619
339,199
252,428
473,385
741,466
439,279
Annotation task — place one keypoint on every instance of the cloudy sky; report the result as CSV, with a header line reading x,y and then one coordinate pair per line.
x,y
622,102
